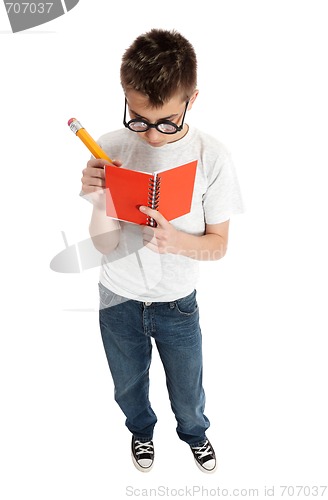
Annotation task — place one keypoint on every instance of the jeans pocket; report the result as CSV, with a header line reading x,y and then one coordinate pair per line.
x,y
106,297
187,305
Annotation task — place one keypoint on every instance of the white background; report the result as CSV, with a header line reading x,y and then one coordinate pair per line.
x,y
263,92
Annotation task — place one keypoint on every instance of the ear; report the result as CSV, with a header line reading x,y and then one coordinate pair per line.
x,y
192,99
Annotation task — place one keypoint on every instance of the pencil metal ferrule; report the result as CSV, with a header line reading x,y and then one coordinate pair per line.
x,y
75,126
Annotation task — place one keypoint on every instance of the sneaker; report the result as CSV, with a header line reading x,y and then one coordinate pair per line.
x,y
204,456
142,454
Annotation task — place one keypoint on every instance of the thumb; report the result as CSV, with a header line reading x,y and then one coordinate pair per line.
x,y
154,214
117,163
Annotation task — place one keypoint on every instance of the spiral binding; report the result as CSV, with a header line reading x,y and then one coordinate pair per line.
x,y
154,191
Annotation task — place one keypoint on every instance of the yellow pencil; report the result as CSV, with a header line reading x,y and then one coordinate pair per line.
x,y
86,138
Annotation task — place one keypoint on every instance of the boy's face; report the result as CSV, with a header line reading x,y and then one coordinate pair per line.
x,y
138,106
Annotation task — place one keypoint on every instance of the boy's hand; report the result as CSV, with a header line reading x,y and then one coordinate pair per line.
x,y
161,239
93,181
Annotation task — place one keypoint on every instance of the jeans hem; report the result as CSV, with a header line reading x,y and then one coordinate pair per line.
x,y
142,439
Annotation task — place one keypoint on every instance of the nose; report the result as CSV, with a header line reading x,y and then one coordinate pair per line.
x,y
153,135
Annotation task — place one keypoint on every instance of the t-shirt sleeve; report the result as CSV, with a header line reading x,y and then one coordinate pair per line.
x,y
223,196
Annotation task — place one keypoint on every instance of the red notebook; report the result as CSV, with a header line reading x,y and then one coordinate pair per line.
x,y
168,191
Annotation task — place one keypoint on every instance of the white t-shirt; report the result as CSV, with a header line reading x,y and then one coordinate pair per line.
x,y
136,272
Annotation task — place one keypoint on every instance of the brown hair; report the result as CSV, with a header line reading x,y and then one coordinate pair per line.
x,y
160,64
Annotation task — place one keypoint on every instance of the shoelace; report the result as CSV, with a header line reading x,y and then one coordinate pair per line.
x,y
141,447
203,450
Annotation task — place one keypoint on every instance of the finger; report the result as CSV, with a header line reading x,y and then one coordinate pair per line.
x,y
87,189
92,184
93,181
100,163
154,214
92,172
97,163
150,241
148,231
149,235
117,163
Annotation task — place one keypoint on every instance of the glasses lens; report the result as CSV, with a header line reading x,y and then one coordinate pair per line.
x,y
167,128
138,126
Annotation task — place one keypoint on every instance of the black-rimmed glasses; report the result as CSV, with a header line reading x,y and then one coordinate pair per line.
x,y
163,126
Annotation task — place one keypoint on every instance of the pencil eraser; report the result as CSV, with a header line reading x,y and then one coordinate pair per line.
x,y
70,121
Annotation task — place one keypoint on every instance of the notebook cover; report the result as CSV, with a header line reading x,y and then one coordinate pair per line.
x,y
176,190
128,189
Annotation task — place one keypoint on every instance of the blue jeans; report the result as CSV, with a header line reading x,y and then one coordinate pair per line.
x,y
127,327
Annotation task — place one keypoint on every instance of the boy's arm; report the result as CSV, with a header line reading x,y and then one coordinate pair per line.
x,y
104,231
166,239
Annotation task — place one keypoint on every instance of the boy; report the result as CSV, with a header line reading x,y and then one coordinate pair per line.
x,y
147,280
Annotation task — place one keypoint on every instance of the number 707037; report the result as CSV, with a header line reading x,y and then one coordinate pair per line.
x,y
27,7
